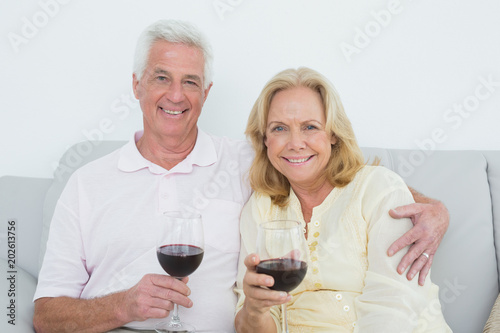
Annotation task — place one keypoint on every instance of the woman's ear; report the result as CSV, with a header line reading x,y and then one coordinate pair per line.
x,y
333,139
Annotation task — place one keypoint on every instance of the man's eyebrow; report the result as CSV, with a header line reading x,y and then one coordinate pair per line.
x,y
161,71
193,77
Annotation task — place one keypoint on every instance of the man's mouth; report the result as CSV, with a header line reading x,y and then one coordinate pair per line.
x,y
173,112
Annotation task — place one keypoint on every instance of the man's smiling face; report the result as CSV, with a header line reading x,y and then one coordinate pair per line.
x,y
171,92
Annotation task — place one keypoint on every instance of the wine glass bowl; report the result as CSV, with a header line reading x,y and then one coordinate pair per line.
x,y
287,273
283,254
179,249
179,260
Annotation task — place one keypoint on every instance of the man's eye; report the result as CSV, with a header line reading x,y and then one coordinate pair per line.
x,y
161,78
191,83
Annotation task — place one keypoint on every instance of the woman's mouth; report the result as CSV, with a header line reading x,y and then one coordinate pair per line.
x,y
298,160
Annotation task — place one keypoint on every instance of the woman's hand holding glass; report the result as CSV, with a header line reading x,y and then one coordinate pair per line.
x,y
280,265
258,300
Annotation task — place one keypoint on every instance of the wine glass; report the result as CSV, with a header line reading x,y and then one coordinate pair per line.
x,y
282,250
179,248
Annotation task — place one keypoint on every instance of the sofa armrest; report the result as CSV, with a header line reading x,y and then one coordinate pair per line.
x,y
17,290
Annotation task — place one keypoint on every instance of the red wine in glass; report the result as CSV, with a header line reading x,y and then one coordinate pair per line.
x,y
287,273
179,260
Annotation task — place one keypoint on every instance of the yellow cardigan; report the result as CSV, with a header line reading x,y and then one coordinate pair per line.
x,y
351,284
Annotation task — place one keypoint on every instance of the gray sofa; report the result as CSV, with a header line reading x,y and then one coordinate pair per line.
x,y
465,267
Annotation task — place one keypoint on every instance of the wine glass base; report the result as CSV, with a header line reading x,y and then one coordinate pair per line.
x,y
164,327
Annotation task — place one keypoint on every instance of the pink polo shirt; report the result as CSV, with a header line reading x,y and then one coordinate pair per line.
x,y
102,235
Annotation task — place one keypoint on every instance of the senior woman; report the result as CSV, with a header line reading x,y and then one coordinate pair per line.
x,y
308,167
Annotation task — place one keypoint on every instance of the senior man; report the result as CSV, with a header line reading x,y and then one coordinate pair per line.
x,y
100,270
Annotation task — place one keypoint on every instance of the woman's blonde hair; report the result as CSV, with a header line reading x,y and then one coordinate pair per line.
x,y
346,157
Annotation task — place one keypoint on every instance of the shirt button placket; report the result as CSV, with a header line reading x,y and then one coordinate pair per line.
x,y
314,255
167,194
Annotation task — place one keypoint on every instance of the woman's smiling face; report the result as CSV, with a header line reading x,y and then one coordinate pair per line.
x,y
298,145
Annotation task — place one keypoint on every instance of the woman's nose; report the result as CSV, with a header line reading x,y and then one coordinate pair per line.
x,y
296,141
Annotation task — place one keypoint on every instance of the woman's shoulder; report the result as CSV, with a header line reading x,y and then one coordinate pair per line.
x,y
258,204
374,182
374,175
261,207
381,187
259,199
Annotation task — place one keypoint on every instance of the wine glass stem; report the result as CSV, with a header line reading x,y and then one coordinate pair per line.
x,y
284,326
175,321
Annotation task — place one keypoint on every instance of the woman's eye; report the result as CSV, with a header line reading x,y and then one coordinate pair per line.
x,y
311,127
278,129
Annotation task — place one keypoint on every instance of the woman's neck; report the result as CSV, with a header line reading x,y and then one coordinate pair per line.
x,y
311,197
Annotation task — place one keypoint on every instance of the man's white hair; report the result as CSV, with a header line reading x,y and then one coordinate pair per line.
x,y
173,31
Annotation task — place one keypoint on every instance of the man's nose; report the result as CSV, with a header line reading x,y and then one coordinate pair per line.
x,y
175,92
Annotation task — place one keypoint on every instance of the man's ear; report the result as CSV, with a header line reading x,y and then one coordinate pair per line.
x,y
135,83
206,91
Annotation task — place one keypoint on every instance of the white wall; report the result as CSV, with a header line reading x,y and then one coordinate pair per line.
x,y
411,73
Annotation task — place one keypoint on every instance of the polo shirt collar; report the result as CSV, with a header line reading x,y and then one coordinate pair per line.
x,y
203,154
